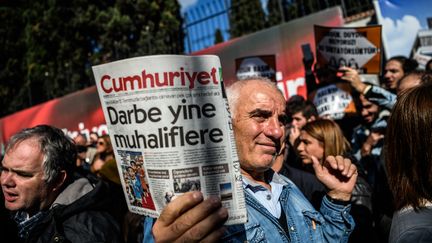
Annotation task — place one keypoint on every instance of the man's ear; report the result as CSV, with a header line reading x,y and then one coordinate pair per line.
x,y
60,180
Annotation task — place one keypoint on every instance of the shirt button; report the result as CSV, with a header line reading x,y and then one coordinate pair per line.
x,y
268,197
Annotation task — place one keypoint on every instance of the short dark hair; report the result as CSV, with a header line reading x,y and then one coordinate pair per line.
x,y
297,104
330,135
426,78
408,147
59,151
408,64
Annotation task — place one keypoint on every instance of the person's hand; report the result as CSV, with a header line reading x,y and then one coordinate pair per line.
x,y
352,76
189,218
370,142
293,134
308,64
338,175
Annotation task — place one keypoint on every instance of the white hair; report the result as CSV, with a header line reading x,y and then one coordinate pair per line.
x,y
234,91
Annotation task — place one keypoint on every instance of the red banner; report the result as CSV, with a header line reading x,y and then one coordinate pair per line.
x,y
77,112
80,112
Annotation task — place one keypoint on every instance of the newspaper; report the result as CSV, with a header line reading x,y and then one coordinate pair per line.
x,y
169,123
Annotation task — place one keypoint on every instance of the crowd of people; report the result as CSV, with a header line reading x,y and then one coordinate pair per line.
x,y
307,176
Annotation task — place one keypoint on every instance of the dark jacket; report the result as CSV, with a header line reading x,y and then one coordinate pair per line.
x,y
79,214
8,229
412,226
307,182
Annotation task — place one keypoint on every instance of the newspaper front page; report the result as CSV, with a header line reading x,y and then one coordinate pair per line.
x,y
169,123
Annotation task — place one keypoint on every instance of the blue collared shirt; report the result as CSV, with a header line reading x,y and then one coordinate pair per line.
x,y
268,198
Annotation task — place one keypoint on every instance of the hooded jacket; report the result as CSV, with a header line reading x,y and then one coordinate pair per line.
x,y
79,214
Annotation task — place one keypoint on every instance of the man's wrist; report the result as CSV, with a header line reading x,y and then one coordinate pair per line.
x,y
366,89
338,195
337,201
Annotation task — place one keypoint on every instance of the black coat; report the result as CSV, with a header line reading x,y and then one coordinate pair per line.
x,y
87,219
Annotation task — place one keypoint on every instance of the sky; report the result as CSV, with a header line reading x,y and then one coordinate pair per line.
x,y
185,4
209,26
401,20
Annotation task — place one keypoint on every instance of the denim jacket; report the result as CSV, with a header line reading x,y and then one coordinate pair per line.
x,y
381,97
332,224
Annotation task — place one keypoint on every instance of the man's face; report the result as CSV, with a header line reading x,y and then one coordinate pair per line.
x,y
369,110
259,126
80,140
308,147
298,120
392,73
22,180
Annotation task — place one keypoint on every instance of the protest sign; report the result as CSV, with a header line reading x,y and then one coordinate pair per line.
x,y
359,48
334,101
169,120
253,66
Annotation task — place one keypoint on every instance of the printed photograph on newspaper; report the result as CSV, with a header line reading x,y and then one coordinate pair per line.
x,y
169,122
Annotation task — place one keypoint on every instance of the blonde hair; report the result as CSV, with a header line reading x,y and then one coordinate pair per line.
x,y
329,134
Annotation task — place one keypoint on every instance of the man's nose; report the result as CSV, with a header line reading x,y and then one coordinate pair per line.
x,y
387,74
6,178
274,128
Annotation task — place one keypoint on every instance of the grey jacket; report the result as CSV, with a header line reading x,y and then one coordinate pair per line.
x,y
411,226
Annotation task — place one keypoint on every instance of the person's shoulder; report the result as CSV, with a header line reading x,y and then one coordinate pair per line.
x,y
414,235
411,226
92,226
408,228
294,192
410,217
296,175
283,178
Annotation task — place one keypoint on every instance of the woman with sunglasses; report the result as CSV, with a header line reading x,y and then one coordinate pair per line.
x,y
104,153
